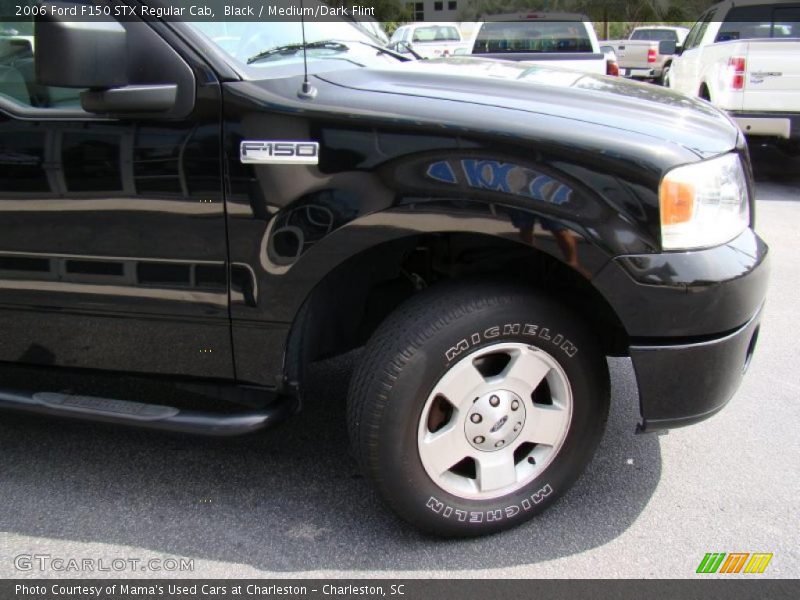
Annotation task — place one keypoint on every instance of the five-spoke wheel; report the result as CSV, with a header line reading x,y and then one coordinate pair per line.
x,y
476,406
495,420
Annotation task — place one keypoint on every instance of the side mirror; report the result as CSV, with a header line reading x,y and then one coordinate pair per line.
x,y
667,47
80,54
94,54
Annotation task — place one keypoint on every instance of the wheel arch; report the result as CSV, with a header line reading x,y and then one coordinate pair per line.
x,y
704,92
342,309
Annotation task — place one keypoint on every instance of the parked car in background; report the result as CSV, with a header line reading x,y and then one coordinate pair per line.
x,y
429,40
560,39
649,51
745,59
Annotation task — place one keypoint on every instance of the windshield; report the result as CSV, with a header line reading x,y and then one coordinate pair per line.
x,y
436,33
532,36
244,41
760,21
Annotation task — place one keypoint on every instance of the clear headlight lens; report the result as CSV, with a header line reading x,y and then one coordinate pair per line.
x,y
704,204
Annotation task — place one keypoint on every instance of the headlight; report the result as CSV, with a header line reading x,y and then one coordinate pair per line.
x,y
704,204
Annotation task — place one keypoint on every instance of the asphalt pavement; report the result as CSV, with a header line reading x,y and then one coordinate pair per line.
x,y
290,502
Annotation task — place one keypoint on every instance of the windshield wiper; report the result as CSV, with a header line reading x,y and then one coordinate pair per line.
x,y
290,49
335,45
383,50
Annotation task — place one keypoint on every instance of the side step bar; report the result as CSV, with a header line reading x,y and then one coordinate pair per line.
x,y
150,416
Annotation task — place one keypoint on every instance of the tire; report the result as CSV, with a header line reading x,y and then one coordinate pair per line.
x,y
463,349
665,75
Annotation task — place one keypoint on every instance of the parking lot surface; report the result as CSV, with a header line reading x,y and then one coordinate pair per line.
x,y
290,502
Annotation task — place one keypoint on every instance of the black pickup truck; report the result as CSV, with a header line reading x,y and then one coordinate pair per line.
x,y
178,201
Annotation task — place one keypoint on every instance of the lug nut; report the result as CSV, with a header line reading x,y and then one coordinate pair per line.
x,y
494,401
476,418
479,439
500,443
516,428
514,404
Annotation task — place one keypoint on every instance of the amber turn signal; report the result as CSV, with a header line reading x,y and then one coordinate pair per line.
x,y
677,201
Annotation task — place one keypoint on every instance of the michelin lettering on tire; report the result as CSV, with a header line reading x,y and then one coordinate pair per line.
x,y
480,350
525,329
495,514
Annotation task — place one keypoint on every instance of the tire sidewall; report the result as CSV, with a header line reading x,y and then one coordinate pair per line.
x,y
413,493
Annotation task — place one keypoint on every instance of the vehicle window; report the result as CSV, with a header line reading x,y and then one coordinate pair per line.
x,y
702,32
760,21
397,35
786,22
18,75
655,35
532,36
698,31
436,33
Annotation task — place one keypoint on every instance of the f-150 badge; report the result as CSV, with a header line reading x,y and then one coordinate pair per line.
x,y
279,153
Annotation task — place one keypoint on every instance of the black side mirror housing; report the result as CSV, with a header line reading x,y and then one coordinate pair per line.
x,y
80,54
130,99
126,70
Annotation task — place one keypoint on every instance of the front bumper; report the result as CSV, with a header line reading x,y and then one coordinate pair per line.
x,y
693,320
768,124
683,384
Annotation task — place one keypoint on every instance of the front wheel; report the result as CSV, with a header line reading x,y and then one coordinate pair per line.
x,y
477,406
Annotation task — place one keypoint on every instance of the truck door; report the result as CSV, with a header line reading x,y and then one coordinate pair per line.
x,y
112,231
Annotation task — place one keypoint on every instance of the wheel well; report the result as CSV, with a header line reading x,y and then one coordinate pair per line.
x,y
346,307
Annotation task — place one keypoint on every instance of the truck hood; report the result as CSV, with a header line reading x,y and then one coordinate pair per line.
x,y
608,101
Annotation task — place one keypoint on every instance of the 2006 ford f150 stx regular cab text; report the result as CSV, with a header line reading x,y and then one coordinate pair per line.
x,y
178,202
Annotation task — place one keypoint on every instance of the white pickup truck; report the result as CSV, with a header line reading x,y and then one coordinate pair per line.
x,y
744,57
429,40
648,52
563,40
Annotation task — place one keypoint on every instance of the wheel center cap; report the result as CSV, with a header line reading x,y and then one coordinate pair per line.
x,y
496,427
495,420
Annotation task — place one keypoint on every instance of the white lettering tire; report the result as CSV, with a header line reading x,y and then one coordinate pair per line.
x,y
476,406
